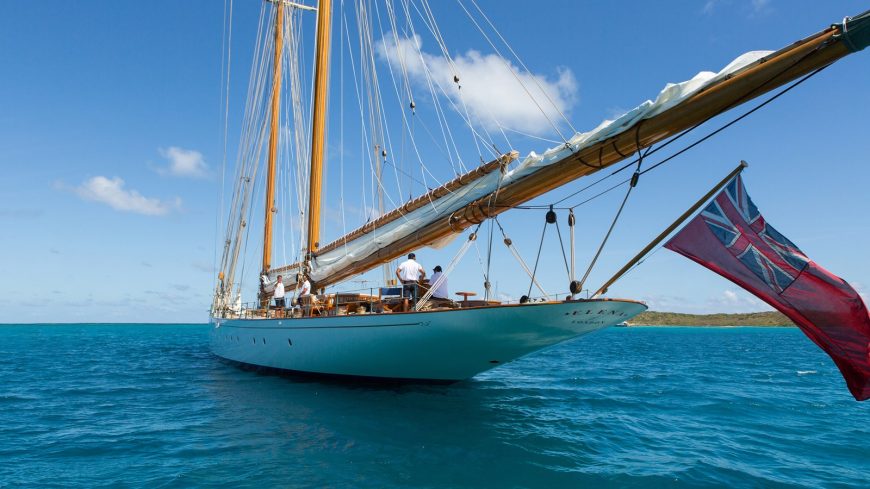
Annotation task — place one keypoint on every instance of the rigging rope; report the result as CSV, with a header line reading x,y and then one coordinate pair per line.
x,y
433,287
537,258
562,246
523,65
519,258
432,25
341,126
406,126
514,73
226,66
634,179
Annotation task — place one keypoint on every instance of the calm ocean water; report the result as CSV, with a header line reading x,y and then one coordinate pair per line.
x,y
148,406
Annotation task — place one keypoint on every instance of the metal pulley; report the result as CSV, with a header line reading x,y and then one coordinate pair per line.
x,y
551,216
634,178
571,219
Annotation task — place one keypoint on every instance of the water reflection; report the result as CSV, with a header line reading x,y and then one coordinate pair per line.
x,y
386,434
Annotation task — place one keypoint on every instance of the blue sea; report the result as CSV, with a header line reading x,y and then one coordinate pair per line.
x,y
149,406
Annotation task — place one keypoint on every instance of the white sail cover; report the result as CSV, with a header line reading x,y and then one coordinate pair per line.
x,y
337,259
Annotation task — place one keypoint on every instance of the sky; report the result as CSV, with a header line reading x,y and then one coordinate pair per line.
x,y
112,146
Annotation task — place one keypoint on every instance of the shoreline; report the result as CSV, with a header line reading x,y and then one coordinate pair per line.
x,y
766,319
710,326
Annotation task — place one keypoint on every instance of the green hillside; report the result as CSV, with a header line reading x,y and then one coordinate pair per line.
x,y
654,318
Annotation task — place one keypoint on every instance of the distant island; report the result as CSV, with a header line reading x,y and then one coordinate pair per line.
x,y
654,318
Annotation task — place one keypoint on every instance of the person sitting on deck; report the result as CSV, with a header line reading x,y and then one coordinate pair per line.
x,y
409,273
440,292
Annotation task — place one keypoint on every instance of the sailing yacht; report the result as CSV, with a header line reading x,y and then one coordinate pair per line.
x,y
380,332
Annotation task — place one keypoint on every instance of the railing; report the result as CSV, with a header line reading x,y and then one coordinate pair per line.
x,y
372,302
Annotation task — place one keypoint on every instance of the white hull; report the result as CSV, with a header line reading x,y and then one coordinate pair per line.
x,y
444,345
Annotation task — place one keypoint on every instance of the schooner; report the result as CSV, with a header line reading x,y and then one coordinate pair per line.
x,y
380,332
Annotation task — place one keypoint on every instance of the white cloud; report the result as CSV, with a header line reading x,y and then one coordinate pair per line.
x,y
112,193
735,301
489,86
183,163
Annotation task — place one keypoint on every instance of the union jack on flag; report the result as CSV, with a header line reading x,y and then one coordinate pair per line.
x,y
733,239
731,212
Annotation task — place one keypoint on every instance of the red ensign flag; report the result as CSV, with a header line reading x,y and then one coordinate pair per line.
x,y
732,238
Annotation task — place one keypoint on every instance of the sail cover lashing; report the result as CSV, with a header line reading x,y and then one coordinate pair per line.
x,y
441,214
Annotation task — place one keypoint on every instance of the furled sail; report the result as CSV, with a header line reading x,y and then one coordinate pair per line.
x,y
442,213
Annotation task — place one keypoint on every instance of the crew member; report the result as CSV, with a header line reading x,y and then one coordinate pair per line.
x,y
278,294
409,273
440,292
305,287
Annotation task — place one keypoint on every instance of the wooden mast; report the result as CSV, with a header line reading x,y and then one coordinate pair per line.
x,y
318,129
273,138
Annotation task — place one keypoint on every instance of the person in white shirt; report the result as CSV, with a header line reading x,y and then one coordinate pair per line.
x,y
440,292
303,286
278,293
409,273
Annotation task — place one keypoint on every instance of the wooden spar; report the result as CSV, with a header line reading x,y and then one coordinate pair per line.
x,y
273,138
318,129
500,163
756,79
703,200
